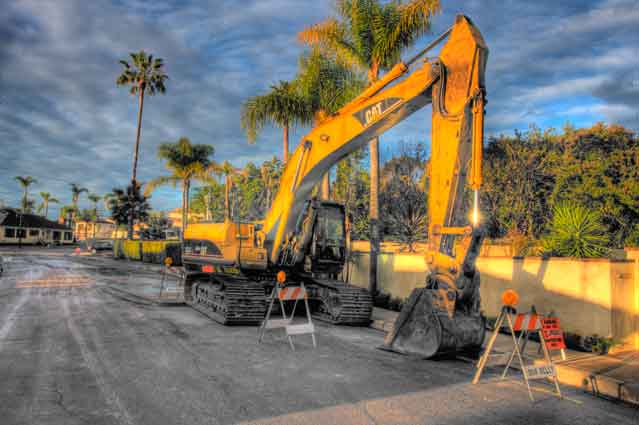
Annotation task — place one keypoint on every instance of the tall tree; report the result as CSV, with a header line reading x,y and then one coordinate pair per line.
x,y
46,200
270,173
228,171
25,182
282,106
94,198
326,86
186,162
206,200
76,191
518,184
145,75
370,35
67,213
126,202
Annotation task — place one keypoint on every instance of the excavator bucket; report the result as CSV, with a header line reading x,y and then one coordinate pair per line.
x,y
423,331
417,330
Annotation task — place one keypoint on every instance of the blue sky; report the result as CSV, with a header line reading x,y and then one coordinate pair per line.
x,y
63,120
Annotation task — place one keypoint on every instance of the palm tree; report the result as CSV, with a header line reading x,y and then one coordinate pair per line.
x,y
370,36
25,182
326,85
122,200
186,162
68,212
107,199
46,200
94,198
76,191
145,75
282,106
270,172
227,170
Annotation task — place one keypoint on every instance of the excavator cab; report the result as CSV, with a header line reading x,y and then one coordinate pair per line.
x,y
318,244
328,248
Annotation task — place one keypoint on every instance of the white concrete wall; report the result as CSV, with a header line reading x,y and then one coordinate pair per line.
x,y
595,296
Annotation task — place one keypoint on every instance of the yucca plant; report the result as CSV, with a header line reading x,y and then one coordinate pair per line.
x,y
576,231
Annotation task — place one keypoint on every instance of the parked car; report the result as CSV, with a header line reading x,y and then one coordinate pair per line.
x,y
101,245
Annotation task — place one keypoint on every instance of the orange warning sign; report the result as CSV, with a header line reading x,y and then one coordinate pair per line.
x,y
552,333
291,293
526,322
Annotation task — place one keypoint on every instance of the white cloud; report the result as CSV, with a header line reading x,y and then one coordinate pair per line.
x,y
62,119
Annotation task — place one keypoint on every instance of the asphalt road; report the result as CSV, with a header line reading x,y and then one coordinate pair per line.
x,y
72,352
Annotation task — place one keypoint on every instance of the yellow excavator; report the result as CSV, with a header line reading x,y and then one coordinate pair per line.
x,y
231,265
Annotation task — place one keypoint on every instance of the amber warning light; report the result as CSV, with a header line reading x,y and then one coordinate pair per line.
x,y
510,297
281,276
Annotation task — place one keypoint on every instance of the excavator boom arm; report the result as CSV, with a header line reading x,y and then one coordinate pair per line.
x,y
455,81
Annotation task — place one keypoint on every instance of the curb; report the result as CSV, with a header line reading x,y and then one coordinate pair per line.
x,y
595,384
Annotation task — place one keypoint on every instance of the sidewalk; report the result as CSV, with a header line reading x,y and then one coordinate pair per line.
x,y
613,376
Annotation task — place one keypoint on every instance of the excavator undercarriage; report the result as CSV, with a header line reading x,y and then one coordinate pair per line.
x,y
236,293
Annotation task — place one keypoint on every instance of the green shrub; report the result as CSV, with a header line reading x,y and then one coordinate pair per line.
x,y
632,239
576,231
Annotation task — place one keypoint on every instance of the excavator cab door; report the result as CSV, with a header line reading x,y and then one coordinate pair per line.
x,y
328,249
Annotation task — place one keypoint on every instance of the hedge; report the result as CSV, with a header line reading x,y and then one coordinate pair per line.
x,y
148,251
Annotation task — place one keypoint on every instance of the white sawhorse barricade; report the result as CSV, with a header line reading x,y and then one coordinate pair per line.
x,y
288,293
525,324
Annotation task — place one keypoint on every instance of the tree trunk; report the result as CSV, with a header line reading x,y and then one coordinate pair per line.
x,y
373,75
46,209
227,198
267,183
130,191
207,206
185,206
285,154
325,189
135,159
374,216
25,195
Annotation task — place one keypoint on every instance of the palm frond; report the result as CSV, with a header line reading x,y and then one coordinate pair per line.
x,y
332,37
281,106
160,181
146,73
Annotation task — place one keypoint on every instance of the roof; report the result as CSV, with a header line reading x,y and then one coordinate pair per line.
x,y
11,217
99,221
